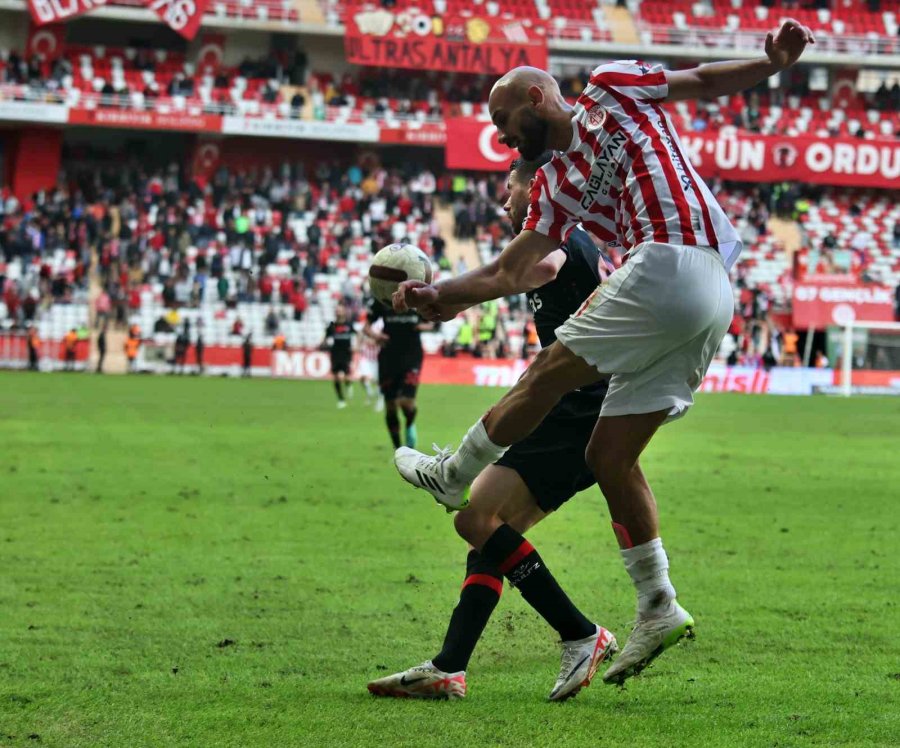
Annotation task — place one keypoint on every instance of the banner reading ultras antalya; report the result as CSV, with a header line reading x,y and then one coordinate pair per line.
x,y
770,158
818,304
473,144
51,11
410,38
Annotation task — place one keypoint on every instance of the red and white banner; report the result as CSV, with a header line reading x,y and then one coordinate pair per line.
x,y
473,144
47,42
771,158
430,133
742,157
818,304
410,38
53,11
316,364
182,16
145,120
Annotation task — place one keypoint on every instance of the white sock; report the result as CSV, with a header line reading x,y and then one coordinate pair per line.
x,y
475,453
648,566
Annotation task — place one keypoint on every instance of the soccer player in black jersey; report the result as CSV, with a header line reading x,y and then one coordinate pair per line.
x,y
399,366
535,477
339,339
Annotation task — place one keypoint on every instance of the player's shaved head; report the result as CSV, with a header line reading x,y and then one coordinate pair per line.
x,y
524,105
518,81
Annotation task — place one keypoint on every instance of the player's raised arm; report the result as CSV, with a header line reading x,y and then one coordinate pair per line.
x,y
516,270
783,48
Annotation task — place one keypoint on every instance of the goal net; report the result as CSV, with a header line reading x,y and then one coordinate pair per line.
x,y
870,358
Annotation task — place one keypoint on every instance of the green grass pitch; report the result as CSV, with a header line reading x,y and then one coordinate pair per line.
x,y
207,562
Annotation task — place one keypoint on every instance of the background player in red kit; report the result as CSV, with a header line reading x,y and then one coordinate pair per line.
x,y
653,327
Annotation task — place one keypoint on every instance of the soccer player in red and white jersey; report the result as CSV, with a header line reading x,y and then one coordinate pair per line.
x,y
367,363
652,327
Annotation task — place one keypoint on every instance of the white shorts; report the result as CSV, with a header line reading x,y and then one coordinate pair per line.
x,y
654,326
367,368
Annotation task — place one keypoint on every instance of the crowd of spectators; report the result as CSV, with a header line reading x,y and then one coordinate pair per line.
x,y
280,84
48,240
218,240
264,235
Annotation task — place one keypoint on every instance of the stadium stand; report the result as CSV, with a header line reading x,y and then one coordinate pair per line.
x,y
128,78
841,25
185,247
243,258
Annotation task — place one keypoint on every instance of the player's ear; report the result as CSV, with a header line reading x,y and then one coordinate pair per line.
x,y
536,95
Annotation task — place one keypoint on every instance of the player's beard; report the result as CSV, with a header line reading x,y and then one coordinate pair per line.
x,y
517,219
534,135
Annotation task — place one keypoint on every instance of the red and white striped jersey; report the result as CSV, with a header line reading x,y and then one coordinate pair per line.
x,y
368,348
626,177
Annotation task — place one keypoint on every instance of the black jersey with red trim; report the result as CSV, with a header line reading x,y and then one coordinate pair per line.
x,y
402,330
341,336
554,302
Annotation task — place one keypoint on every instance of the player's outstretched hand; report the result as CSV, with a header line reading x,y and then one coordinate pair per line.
x,y
413,294
784,47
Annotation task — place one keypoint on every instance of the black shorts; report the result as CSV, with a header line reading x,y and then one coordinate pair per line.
x,y
399,376
340,362
551,460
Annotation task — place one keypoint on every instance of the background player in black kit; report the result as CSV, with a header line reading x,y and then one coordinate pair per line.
x,y
399,365
534,477
339,340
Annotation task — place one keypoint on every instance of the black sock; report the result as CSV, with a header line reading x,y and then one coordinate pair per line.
x,y
393,424
410,415
477,600
517,559
339,388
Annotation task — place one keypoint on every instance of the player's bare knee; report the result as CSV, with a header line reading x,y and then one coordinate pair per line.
x,y
467,523
475,524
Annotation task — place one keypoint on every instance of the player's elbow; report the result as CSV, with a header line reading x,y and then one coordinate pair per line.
x,y
541,274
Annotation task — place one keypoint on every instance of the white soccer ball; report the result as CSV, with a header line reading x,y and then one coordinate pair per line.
x,y
394,264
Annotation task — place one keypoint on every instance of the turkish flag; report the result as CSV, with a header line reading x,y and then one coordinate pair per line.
x,y
473,144
207,154
183,16
46,41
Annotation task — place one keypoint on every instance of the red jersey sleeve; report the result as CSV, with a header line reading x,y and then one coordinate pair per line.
x,y
545,215
632,78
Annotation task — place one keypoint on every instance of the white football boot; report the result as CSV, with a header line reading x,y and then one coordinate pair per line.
x,y
423,681
428,472
580,660
650,637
